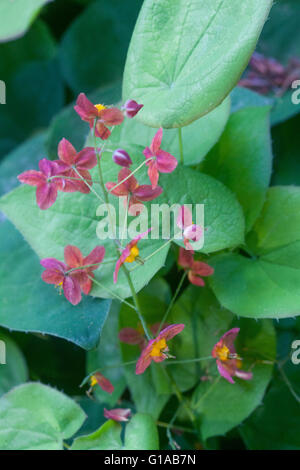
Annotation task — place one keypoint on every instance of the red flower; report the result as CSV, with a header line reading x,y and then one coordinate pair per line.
x,y
118,414
122,158
104,116
130,188
157,349
46,187
129,254
82,161
103,382
68,276
191,231
131,108
228,362
161,161
136,336
196,269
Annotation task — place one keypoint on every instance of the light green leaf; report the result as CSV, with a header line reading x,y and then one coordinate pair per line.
x,y
198,137
221,405
37,417
186,56
40,308
286,142
107,437
267,284
242,159
15,19
14,371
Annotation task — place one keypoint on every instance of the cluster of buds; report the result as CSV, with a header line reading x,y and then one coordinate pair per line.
x,y
267,75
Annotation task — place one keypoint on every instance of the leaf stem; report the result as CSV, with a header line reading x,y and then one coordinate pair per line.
x,y
116,296
132,173
89,186
172,301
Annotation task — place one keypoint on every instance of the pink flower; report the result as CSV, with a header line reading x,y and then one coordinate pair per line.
x,y
157,349
82,161
196,269
103,382
104,116
129,254
118,414
130,188
122,158
72,280
46,187
161,161
136,336
228,362
191,231
131,108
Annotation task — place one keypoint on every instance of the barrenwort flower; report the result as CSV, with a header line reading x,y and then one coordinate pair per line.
x,y
228,362
122,158
129,254
46,186
191,231
98,115
103,382
158,161
136,336
136,193
131,108
157,349
196,269
118,414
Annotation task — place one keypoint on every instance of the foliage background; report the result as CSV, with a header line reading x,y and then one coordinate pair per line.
x,y
44,70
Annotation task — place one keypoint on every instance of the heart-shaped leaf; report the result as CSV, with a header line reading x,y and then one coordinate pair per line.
x,y
14,371
186,55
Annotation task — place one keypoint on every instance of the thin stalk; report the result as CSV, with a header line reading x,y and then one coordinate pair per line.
x,y
187,361
153,254
129,176
288,384
180,145
175,427
89,186
179,396
112,293
172,301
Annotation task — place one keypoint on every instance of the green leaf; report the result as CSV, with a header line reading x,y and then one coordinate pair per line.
x,y
178,66
286,144
107,437
16,19
243,98
221,405
151,390
198,137
267,284
40,308
275,424
284,108
141,433
93,49
14,372
242,159
223,216
108,354
37,417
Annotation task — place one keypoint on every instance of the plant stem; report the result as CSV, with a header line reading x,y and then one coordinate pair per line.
x,y
180,145
186,361
136,302
172,301
112,293
129,176
89,186
175,427
179,396
154,253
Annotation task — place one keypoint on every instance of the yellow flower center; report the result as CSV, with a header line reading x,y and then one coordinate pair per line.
x,y
100,107
134,252
223,353
93,381
158,348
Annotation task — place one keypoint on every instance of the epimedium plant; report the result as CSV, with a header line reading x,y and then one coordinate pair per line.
x,y
199,345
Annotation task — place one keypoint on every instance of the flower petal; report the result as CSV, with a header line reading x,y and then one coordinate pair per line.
x,y
104,383
53,263
185,258
224,372
66,152
132,108
46,195
73,256
153,173
85,108
72,290
86,159
102,131
112,116
95,256
117,414
166,163
202,269
53,276
32,177
170,331
195,279
241,374
130,336
156,141
145,192
184,217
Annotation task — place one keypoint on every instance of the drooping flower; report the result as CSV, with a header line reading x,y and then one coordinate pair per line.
x,y
46,186
136,336
136,193
129,254
100,114
122,158
103,382
191,231
82,161
67,276
131,108
157,349
118,414
228,362
196,269
158,161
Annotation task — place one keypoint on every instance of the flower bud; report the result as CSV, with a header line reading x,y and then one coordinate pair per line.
x,y
131,108
121,157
